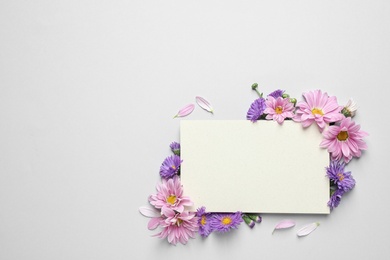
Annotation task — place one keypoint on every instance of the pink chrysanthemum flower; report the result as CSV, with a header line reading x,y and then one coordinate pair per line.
x,y
344,141
278,109
319,108
178,227
170,195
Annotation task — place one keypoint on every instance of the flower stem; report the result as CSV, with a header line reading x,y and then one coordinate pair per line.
x,y
254,87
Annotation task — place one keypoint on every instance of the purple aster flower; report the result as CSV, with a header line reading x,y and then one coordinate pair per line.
x,y
277,93
256,110
337,174
204,222
175,147
170,166
225,221
335,199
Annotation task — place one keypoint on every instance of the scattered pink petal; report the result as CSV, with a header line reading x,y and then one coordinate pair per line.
x,y
287,223
306,230
203,103
149,212
185,111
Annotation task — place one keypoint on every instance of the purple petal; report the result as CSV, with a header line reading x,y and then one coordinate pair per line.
x,y
203,103
185,111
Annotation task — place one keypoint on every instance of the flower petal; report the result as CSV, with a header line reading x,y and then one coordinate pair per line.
x,y
149,212
153,223
203,103
185,111
306,230
286,223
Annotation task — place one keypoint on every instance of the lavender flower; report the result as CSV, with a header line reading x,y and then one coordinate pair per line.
x,y
175,147
256,110
204,222
335,199
336,173
225,222
170,166
277,93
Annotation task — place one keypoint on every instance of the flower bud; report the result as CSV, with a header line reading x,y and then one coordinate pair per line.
x,y
248,221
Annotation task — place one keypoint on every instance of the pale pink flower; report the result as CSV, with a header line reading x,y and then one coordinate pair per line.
x,y
344,141
178,227
278,109
319,108
170,195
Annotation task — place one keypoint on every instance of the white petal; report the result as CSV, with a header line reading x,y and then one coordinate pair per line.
x,y
203,103
149,212
306,230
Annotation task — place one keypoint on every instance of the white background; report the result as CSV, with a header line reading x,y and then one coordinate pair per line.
x,y
88,90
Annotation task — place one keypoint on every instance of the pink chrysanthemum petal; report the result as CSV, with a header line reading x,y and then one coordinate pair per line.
x,y
318,107
278,109
170,196
344,141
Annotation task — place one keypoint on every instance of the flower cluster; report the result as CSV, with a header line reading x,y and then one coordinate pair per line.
x,y
169,208
342,137
178,225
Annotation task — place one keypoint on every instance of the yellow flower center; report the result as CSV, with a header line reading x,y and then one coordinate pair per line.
x,y
173,167
279,110
342,136
178,222
340,176
226,220
317,111
203,221
171,199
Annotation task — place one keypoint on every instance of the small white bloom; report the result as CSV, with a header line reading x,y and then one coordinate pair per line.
x,y
350,108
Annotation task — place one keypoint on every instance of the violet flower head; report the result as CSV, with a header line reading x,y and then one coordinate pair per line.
x,y
224,222
170,166
204,222
256,110
339,176
335,199
277,93
175,147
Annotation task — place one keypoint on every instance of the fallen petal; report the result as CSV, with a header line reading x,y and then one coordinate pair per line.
x,y
185,111
286,223
149,212
203,103
306,230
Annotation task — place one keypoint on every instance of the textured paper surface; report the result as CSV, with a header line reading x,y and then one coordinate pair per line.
x,y
254,167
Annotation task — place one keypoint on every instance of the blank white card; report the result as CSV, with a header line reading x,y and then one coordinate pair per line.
x,y
260,167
